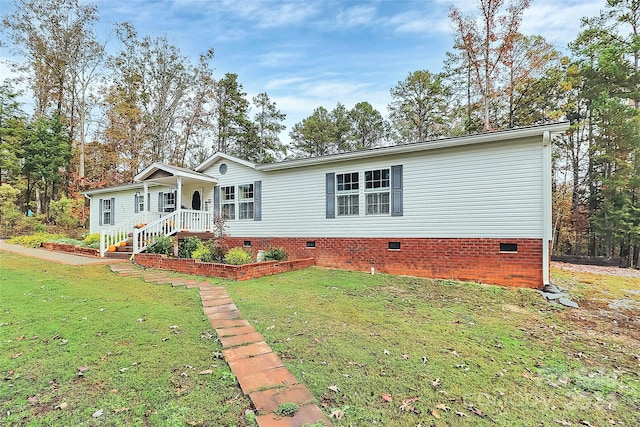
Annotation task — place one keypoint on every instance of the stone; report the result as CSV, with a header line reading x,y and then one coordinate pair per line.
x,y
567,302
551,296
247,351
268,400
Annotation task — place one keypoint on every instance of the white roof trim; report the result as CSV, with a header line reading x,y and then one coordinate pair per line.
x,y
133,186
175,171
420,146
220,155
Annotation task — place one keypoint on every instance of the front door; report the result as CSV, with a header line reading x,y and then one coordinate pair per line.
x,y
196,200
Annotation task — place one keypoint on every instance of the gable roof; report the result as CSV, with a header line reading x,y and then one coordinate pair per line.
x,y
220,155
525,132
163,173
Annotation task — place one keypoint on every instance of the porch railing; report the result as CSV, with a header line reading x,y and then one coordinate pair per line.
x,y
120,232
169,224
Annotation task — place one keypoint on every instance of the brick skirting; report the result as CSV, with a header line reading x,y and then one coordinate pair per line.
x,y
476,260
235,272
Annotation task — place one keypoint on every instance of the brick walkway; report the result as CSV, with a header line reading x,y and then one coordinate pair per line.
x,y
259,371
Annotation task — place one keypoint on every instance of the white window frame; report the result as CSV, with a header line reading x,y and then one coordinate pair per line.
x,y
107,211
140,202
348,194
228,202
245,203
376,189
167,206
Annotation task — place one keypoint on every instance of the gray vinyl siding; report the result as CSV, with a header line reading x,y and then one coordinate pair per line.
x,y
491,190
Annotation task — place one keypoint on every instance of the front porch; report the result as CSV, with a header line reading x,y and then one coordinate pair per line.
x,y
184,204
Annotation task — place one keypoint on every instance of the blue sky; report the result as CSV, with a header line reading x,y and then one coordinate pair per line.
x,y
305,54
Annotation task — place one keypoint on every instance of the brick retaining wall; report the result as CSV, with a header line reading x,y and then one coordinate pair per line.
x,y
71,249
235,272
478,260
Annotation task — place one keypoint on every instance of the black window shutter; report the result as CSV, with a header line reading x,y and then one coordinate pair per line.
x,y
396,190
100,212
113,211
331,195
135,203
160,201
216,200
257,201
149,202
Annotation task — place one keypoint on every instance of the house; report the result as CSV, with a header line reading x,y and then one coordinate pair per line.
x,y
474,208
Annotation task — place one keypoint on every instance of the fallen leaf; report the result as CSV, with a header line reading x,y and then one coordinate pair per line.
x,y
63,405
83,368
20,338
16,355
334,388
206,372
337,414
435,413
443,407
386,352
435,382
424,360
387,397
407,404
123,369
563,422
98,413
173,327
32,399
405,356
476,411
118,410
113,391
461,414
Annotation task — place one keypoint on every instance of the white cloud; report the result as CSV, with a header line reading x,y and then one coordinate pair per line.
x,y
357,15
558,22
272,14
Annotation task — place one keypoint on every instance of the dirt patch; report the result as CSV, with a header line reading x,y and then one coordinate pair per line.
x,y
597,269
515,309
603,312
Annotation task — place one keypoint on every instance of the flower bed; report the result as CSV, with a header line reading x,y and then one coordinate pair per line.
x,y
71,249
226,271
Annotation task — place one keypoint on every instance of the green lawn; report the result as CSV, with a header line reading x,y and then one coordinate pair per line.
x,y
141,348
374,350
401,351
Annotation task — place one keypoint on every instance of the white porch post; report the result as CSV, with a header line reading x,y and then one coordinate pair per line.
x,y
179,224
147,203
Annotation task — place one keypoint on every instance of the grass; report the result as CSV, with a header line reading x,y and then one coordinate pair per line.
x,y
82,346
401,351
374,350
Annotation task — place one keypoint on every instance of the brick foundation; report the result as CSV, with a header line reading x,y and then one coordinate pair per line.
x,y
235,272
477,260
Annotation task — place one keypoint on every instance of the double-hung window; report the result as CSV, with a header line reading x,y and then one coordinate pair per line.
x,y
107,211
139,202
376,191
169,201
348,187
228,196
245,201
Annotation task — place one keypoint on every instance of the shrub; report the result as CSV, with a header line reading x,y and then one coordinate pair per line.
x,y
275,254
237,256
216,248
188,246
162,245
202,253
35,240
92,241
